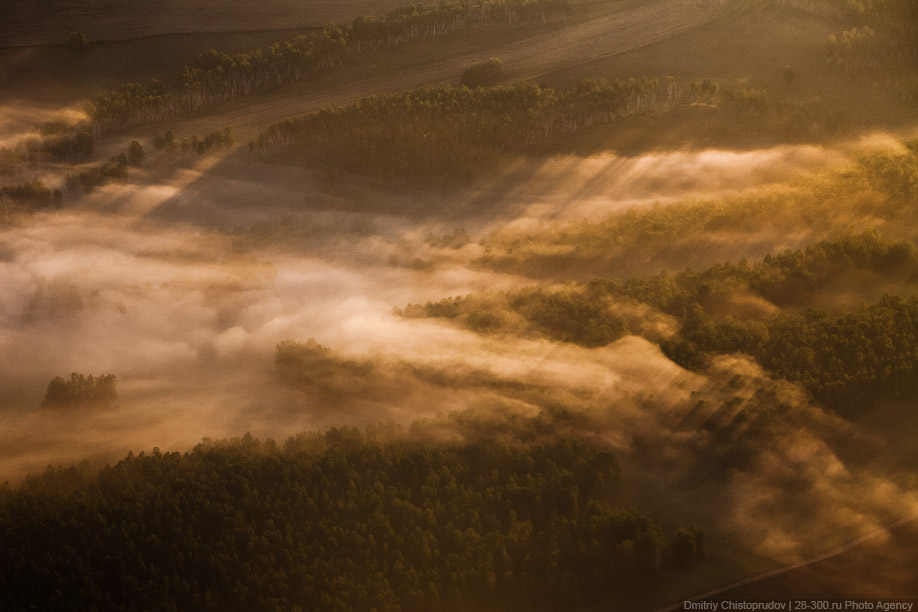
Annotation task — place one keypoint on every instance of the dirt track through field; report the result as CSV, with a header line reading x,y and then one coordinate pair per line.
x,y
623,28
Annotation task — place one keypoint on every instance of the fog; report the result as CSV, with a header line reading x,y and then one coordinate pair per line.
x,y
139,280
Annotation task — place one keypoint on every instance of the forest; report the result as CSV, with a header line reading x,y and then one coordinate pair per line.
x,y
337,521
847,358
447,132
575,305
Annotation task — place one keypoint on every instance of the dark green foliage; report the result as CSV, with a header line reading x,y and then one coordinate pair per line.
x,y
448,132
485,74
846,359
29,196
704,89
165,140
136,154
218,139
81,391
311,365
77,43
688,545
87,180
67,147
786,279
570,317
843,359
895,174
583,317
333,522
648,238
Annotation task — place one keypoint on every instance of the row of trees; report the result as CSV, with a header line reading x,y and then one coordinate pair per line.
x,y
449,131
333,522
218,77
218,139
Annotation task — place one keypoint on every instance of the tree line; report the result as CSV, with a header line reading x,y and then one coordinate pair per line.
x,y
451,131
218,77
334,521
844,358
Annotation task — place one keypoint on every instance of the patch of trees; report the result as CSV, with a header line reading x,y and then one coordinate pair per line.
x,y
788,279
78,43
569,316
843,358
333,522
793,121
222,138
29,196
57,141
451,131
81,391
877,190
484,74
218,77
164,140
846,360
136,153
84,181
577,316
68,147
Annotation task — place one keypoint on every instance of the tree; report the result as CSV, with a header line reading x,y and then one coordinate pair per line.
x,y
78,43
136,153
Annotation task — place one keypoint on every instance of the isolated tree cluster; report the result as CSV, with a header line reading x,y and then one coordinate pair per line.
x,y
451,131
82,391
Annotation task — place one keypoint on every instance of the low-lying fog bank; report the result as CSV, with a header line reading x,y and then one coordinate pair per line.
x,y
188,318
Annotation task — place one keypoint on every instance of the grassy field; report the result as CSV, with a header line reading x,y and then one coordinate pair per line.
x,y
30,23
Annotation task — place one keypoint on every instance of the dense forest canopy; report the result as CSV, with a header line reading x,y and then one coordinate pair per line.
x,y
335,521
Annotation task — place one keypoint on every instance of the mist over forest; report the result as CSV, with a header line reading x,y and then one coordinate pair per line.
x,y
498,305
